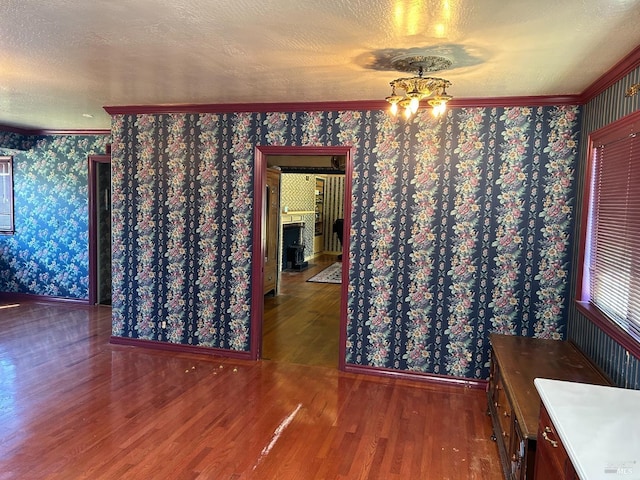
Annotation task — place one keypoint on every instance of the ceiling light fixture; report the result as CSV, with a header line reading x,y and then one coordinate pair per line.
x,y
419,87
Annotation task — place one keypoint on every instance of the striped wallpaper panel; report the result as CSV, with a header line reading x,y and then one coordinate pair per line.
x,y
622,367
333,209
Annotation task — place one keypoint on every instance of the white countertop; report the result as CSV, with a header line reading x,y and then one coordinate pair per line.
x,y
599,427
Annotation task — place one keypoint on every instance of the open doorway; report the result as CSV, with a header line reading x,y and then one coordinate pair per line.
x,y
100,229
302,322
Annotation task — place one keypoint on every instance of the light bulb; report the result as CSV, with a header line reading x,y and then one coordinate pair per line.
x,y
414,104
438,106
394,109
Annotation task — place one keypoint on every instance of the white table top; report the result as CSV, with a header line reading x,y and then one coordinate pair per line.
x,y
599,427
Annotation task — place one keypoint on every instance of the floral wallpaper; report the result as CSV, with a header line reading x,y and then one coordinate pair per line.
x,y
461,227
48,254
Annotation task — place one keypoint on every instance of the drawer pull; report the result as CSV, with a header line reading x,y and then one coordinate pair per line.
x,y
553,443
506,414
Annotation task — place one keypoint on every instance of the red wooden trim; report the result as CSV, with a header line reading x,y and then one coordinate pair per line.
x,y
617,334
98,131
18,130
258,251
178,347
419,376
246,107
30,297
619,70
309,151
617,129
346,261
40,131
521,101
257,280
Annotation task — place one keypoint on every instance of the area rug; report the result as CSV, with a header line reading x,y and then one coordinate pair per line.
x,y
331,274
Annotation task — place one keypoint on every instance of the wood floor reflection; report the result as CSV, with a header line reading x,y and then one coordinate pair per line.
x,y
73,406
301,323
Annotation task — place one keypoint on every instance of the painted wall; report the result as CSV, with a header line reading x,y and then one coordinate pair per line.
x,y
48,254
460,227
616,361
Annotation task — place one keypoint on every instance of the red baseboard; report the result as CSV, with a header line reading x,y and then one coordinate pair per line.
x,y
29,297
180,348
418,376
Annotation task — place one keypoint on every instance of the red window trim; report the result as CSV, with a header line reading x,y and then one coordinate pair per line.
x,y
617,129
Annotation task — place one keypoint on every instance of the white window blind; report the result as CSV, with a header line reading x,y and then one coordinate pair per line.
x,y
6,195
614,253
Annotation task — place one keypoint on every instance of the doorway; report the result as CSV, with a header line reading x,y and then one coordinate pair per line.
x,y
316,308
100,230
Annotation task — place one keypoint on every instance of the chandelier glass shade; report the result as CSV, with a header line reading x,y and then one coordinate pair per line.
x,y
408,92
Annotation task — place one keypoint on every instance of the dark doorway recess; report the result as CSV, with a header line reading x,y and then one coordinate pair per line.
x,y
100,229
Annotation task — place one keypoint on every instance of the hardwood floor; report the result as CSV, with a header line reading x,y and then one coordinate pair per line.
x,y
301,323
73,406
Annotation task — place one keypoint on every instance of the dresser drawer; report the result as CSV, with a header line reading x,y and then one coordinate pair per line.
x,y
513,401
552,460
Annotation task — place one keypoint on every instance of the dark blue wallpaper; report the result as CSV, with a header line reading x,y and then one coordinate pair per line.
x,y
461,226
48,254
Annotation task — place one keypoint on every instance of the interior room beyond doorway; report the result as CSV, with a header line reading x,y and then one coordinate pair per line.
x,y
301,320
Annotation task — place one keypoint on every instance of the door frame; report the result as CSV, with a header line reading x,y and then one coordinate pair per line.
x,y
93,160
258,248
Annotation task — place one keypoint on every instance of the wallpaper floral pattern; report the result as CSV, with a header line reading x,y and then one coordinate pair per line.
x,y
48,254
461,227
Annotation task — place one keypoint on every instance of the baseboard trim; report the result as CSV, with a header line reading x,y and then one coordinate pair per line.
x,y
418,376
30,297
179,347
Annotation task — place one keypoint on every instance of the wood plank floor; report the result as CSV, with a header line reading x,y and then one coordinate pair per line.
x,y
73,406
301,323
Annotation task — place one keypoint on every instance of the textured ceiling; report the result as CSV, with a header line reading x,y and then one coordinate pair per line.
x,y
61,61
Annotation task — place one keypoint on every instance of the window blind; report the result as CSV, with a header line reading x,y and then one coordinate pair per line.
x,y
614,269
6,195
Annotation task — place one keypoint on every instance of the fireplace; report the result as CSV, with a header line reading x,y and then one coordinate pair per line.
x,y
293,247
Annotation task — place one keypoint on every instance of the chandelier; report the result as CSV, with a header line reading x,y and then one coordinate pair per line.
x,y
418,88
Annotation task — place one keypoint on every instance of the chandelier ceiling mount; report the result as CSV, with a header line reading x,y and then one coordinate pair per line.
x,y
419,87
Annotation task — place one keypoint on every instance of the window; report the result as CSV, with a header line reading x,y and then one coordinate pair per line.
x,y
610,288
6,195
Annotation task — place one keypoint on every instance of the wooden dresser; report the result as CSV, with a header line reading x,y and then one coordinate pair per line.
x,y
514,403
552,460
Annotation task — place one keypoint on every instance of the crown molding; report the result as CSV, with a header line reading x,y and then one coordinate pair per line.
x,y
96,131
615,73
40,132
245,107
522,101
14,129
